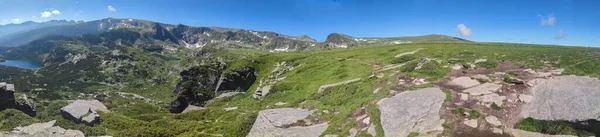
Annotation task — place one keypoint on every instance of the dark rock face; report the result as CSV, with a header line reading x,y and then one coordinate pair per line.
x,y
335,40
8,100
201,84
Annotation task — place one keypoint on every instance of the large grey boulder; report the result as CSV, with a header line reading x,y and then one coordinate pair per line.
x,y
464,82
279,123
9,100
412,111
42,130
565,98
85,111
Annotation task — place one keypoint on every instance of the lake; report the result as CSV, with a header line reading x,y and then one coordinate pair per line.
x,y
24,64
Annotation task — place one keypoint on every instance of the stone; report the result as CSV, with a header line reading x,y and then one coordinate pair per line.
x,y
493,120
482,77
464,82
280,103
367,120
412,111
525,98
407,53
42,130
9,100
84,111
522,133
464,97
471,123
372,130
376,90
535,82
231,108
559,97
228,94
323,87
480,60
488,99
485,88
330,135
192,108
276,122
497,130
457,67
353,132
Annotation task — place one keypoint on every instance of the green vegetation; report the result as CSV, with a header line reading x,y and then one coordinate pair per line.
x,y
403,59
375,117
495,106
489,64
474,114
551,127
413,134
448,95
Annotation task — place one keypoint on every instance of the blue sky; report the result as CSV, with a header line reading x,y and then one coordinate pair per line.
x,y
564,22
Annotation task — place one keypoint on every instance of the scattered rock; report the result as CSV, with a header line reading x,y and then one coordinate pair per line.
x,y
280,103
497,130
420,81
480,60
192,108
482,77
488,99
559,97
499,73
376,90
372,130
464,82
412,111
353,132
535,82
423,61
330,135
231,108
471,123
276,122
525,98
485,88
265,84
493,120
408,53
367,120
457,67
84,111
42,130
228,94
463,96
337,84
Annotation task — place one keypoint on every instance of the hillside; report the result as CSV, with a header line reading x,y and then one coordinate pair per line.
x,y
141,76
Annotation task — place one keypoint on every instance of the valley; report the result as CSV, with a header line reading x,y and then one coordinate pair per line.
x,y
155,79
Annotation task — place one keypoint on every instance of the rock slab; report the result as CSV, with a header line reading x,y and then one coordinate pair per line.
x,y
412,111
277,122
464,82
84,111
560,97
42,130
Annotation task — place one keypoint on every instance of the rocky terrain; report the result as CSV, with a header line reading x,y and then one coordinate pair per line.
x,y
132,77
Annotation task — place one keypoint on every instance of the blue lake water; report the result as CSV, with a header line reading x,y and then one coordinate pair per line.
x,y
24,64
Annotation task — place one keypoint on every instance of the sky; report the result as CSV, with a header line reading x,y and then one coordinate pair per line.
x,y
561,22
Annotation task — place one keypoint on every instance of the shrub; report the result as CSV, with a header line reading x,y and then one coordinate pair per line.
x,y
459,110
495,106
448,95
550,127
474,114
11,118
413,134
403,59
409,67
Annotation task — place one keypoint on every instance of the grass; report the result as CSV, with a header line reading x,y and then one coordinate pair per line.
x,y
413,134
312,69
448,95
551,127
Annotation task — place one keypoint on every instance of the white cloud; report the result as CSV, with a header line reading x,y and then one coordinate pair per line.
x,y
464,30
550,20
111,8
55,12
45,14
16,20
560,35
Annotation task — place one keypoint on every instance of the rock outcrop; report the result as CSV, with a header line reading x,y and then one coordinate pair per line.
x,y
42,130
8,100
412,111
280,122
200,84
565,98
85,111
464,82
265,84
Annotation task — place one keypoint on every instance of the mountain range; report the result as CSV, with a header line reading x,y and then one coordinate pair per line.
x,y
198,37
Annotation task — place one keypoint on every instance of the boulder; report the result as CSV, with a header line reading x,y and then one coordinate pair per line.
x,y
481,77
178,105
8,100
42,130
493,120
525,98
471,123
280,122
464,82
558,98
412,111
192,108
85,111
485,88
488,99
